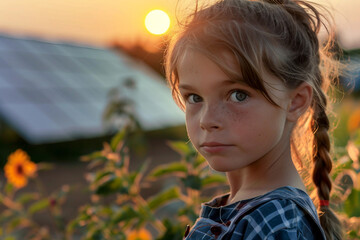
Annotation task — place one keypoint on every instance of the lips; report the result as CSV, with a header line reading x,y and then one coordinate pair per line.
x,y
213,144
214,147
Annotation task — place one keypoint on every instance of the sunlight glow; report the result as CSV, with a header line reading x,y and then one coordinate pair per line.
x,y
157,22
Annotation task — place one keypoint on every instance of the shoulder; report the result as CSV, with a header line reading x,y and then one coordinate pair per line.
x,y
276,219
279,218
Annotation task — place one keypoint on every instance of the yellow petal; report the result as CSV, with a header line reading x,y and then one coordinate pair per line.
x,y
18,168
141,234
354,121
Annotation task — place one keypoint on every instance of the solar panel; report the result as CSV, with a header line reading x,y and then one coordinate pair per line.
x,y
9,44
52,92
13,77
9,95
43,78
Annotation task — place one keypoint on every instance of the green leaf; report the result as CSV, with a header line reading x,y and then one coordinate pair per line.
x,y
27,197
163,198
94,163
132,177
100,175
146,215
112,185
143,167
127,213
14,223
174,230
168,169
115,141
353,235
192,181
93,156
352,204
213,179
181,147
9,188
38,206
198,161
71,226
94,234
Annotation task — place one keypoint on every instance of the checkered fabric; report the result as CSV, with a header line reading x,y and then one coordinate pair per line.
x,y
285,213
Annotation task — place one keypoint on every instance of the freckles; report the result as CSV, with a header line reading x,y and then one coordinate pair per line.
x,y
235,115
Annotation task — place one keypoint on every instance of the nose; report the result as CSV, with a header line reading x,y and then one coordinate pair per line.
x,y
211,117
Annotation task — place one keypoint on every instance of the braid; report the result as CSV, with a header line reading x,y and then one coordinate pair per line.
x,y
322,165
321,158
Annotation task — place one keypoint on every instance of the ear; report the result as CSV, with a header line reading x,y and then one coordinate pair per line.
x,y
300,101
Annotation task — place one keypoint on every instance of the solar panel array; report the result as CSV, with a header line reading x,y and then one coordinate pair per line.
x,y
52,92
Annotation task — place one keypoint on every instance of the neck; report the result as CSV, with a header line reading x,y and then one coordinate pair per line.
x,y
264,175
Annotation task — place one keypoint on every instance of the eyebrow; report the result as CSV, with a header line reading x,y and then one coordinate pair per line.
x,y
225,82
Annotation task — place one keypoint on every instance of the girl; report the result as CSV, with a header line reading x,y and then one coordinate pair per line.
x,y
252,78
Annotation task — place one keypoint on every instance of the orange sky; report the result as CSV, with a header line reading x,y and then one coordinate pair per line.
x,y
102,21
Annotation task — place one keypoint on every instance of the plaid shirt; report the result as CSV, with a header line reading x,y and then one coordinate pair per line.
x,y
285,213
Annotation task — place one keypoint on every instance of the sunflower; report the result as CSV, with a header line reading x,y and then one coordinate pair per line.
x,y
141,234
18,168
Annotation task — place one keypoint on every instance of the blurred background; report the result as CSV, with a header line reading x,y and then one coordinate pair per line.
x,y
72,71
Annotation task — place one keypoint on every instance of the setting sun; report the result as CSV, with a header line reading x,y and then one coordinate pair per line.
x,y
157,22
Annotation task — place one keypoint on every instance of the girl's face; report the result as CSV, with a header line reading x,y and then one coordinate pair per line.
x,y
229,123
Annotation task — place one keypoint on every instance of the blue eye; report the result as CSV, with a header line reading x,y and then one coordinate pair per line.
x,y
193,98
238,96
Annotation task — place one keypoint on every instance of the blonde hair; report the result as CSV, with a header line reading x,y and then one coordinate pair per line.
x,y
279,36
